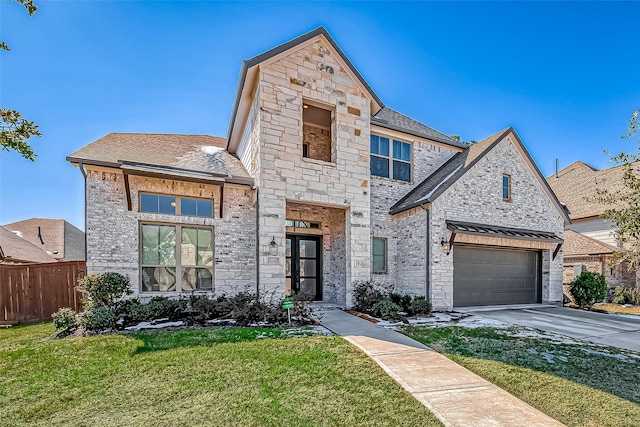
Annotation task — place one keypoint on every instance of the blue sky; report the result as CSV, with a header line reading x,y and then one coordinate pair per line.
x,y
565,74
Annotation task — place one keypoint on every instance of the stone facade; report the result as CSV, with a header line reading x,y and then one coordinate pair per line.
x,y
113,230
310,74
477,197
331,187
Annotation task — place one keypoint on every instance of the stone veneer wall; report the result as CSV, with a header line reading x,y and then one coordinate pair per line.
x,y
311,73
477,197
406,237
113,231
334,244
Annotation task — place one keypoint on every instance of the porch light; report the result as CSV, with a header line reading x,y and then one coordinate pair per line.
x,y
446,246
273,246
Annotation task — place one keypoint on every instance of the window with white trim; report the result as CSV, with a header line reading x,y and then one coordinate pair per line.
x,y
157,203
175,258
379,255
390,158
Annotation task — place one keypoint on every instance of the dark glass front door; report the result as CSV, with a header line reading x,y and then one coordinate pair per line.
x,y
303,268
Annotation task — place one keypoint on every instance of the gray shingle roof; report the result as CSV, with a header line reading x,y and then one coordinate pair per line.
x,y
14,248
391,119
198,153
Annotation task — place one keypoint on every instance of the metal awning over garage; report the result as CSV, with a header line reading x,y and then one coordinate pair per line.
x,y
456,227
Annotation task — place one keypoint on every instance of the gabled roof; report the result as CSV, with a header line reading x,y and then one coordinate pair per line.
x,y
248,66
14,248
436,183
576,244
391,119
576,186
181,155
447,174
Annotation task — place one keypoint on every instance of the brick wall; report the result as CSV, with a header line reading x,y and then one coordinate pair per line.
x,y
477,197
318,142
113,231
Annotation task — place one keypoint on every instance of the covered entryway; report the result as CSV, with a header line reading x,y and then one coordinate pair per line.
x,y
493,276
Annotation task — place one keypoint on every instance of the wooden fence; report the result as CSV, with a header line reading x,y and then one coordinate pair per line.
x,y
33,292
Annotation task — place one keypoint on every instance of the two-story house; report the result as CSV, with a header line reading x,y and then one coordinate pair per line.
x,y
318,185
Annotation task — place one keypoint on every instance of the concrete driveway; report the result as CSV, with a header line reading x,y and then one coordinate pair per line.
x,y
606,329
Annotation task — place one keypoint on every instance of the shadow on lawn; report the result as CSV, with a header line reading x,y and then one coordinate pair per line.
x,y
165,340
615,373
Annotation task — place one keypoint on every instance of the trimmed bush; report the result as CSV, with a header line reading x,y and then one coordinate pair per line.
x,y
105,289
420,306
366,295
403,301
386,309
620,295
157,307
588,288
65,318
97,318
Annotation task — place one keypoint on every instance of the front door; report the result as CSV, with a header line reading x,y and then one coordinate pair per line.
x,y
304,266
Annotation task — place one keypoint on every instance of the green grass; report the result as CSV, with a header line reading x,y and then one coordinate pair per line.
x,y
209,377
566,381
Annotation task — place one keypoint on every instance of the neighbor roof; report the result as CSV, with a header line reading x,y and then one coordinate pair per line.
x,y
576,186
391,119
14,248
183,154
578,244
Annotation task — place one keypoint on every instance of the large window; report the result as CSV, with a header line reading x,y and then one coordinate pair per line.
x,y
390,158
167,266
379,255
155,203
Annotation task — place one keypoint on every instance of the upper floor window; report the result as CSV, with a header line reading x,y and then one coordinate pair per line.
x,y
506,187
390,160
155,203
316,133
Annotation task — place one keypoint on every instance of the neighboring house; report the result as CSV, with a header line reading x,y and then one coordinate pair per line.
x,y
16,250
57,237
318,185
590,240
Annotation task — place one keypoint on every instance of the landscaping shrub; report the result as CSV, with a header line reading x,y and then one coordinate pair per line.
x,y
366,295
206,308
97,318
105,289
403,301
634,296
620,295
65,318
588,288
158,307
386,309
420,306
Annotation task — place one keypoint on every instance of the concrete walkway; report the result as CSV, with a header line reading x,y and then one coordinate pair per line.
x,y
455,395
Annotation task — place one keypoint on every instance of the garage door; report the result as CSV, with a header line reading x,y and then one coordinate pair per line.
x,y
484,276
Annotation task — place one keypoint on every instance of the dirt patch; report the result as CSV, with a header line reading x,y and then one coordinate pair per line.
x,y
363,316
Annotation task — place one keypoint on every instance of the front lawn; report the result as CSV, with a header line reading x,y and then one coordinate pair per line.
x,y
576,383
213,377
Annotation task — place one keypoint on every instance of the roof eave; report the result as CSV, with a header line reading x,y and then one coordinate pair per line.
x,y
384,124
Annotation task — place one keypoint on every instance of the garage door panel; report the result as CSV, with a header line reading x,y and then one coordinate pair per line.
x,y
483,276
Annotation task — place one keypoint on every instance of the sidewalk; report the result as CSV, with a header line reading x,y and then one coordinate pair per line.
x,y
455,395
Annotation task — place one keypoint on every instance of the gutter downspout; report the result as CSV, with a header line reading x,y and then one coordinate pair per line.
x,y
427,253
86,248
257,244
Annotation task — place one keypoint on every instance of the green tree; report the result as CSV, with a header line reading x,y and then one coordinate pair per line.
x,y
15,130
624,209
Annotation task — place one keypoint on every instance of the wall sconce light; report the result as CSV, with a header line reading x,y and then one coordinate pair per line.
x,y
273,246
446,246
